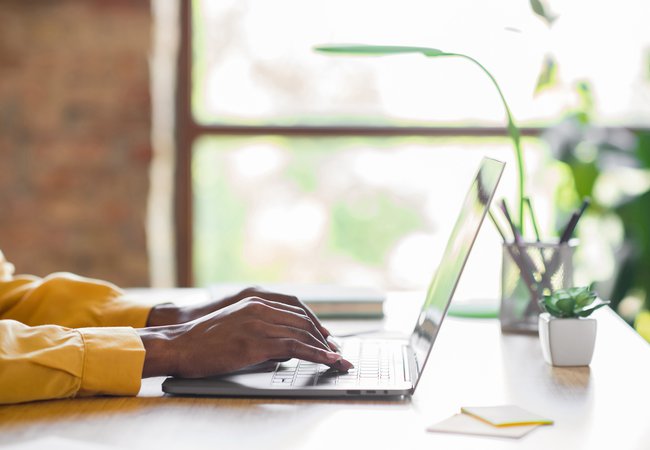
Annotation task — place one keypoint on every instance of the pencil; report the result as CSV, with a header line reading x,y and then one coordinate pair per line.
x,y
573,221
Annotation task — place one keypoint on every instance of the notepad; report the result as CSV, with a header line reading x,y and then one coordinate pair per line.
x,y
507,421
505,415
466,424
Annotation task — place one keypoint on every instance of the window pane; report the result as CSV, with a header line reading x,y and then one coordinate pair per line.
x,y
254,62
343,210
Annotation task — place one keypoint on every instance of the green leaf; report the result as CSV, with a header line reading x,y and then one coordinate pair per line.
x,y
583,295
590,309
547,77
583,301
642,149
539,9
551,309
566,305
377,50
573,302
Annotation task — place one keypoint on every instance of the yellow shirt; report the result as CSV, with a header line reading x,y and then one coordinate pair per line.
x,y
65,336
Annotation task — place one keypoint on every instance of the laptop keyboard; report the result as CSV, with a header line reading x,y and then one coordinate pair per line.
x,y
374,363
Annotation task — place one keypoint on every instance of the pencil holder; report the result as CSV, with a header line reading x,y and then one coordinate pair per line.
x,y
531,270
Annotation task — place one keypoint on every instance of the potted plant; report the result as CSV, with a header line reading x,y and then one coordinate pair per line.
x,y
566,332
522,286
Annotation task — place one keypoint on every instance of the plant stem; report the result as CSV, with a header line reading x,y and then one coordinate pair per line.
x,y
533,218
513,130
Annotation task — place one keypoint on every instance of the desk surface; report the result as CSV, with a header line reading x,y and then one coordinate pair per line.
x,y
472,363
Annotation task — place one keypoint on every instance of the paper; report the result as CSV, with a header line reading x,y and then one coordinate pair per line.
x,y
466,424
506,415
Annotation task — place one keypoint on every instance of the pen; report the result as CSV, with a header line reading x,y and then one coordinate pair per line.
x,y
552,266
512,253
573,221
525,268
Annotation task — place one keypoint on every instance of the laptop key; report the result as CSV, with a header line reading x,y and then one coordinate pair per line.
x,y
372,366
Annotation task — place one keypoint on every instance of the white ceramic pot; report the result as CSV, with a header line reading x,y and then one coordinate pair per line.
x,y
567,342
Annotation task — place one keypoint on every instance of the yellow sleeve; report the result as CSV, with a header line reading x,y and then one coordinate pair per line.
x,y
50,361
68,300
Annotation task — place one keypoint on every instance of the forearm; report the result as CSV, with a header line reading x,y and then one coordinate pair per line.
x,y
70,301
46,362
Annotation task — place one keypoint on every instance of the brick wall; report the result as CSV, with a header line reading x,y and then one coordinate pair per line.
x,y
75,136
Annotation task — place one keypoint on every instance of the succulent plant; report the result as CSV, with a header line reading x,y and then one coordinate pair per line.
x,y
572,303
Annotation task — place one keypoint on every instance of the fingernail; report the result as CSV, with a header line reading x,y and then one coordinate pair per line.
x,y
345,364
326,331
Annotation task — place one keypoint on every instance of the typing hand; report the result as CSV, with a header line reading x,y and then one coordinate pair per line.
x,y
249,331
169,314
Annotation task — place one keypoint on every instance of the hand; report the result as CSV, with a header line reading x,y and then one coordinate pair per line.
x,y
247,332
170,314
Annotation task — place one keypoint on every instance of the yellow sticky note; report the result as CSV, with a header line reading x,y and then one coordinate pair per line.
x,y
505,415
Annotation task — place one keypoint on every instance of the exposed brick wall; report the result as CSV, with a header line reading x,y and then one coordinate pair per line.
x,y
75,136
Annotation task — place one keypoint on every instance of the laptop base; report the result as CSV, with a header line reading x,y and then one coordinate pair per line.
x,y
382,369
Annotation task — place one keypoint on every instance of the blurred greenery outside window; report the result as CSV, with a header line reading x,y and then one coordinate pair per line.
x,y
377,210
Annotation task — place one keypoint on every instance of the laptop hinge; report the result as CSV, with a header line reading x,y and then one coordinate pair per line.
x,y
410,365
411,369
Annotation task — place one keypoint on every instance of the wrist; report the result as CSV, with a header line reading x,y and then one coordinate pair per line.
x,y
159,357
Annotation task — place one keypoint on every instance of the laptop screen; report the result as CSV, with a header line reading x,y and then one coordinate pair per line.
x,y
445,279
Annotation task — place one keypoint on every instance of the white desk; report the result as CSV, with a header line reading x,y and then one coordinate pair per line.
x,y
604,406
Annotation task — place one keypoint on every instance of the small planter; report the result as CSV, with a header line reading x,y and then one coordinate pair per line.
x,y
567,341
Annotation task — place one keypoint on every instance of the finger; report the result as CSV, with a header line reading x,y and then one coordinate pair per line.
x,y
251,291
293,348
334,344
281,331
297,318
293,301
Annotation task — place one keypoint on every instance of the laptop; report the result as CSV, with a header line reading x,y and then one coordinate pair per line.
x,y
382,367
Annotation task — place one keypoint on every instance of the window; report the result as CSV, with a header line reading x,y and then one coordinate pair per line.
x,y
297,166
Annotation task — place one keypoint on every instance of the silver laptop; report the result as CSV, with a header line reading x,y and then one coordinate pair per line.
x,y
382,367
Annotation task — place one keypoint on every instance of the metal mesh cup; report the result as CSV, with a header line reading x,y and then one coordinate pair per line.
x,y
531,270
